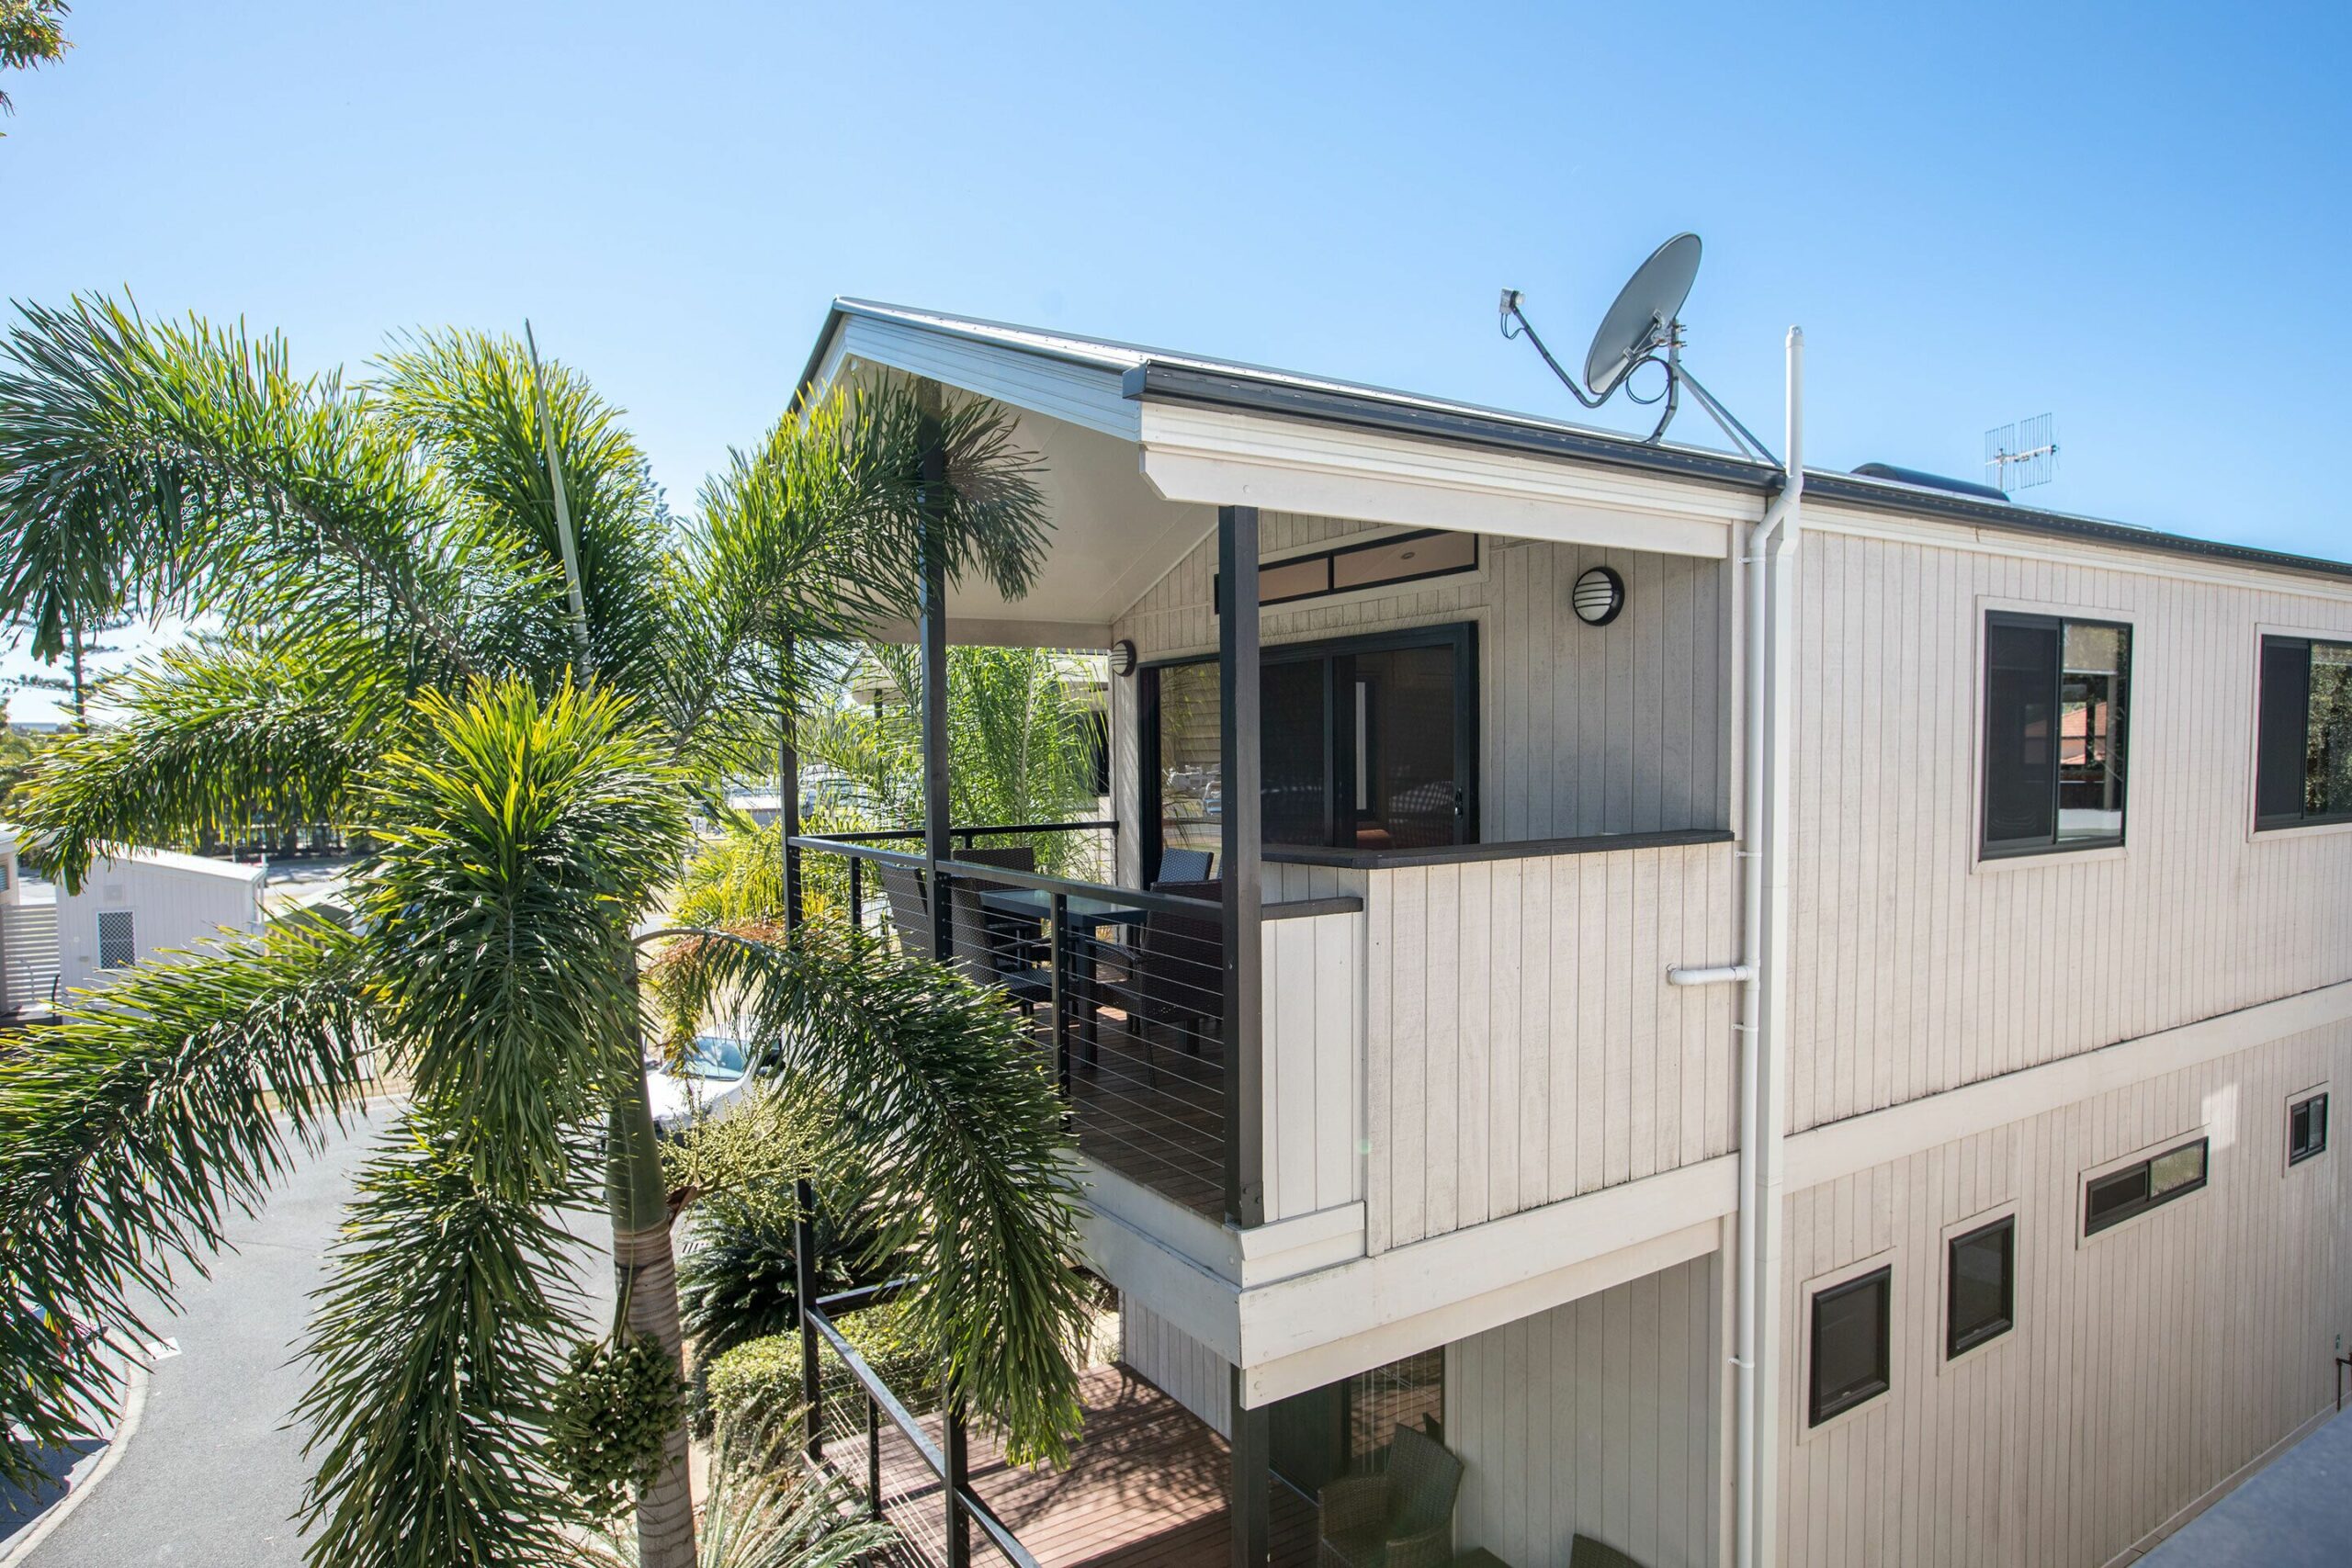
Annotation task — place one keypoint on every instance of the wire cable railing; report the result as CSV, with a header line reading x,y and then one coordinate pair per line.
x,y
1124,987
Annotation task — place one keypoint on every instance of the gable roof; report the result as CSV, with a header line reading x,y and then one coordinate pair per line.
x,y
1153,373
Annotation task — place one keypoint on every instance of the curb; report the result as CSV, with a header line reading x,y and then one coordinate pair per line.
x,y
134,1405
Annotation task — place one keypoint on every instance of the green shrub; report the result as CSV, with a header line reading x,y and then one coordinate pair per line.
x,y
754,1388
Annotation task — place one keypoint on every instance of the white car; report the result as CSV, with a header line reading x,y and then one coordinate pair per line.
x,y
713,1079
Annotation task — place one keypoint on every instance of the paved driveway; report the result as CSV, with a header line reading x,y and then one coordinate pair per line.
x,y
213,1476
2295,1512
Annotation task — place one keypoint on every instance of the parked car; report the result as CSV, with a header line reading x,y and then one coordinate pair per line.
x,y
713,1078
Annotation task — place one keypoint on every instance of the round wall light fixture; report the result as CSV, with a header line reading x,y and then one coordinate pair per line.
x,y
1599,596
1123,657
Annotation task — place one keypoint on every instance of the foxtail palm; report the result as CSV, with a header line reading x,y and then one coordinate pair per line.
x,y
400,645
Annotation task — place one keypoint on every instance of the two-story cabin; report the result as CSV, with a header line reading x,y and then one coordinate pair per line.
x,y
1781,1016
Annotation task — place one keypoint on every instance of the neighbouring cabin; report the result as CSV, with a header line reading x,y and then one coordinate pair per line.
x,y
141,906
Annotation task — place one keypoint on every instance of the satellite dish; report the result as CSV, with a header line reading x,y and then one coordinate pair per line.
x,y
1642,321
1643,326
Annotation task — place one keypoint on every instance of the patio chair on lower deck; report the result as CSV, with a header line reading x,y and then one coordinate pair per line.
x,y
1401,1517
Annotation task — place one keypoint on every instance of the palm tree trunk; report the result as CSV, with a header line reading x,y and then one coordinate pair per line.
x,y
645,1271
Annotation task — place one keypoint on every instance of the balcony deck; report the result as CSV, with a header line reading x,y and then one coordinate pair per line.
x,y
1146,1489
1153,1110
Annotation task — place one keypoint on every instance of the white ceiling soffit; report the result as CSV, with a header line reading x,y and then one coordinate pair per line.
x,y
1113,536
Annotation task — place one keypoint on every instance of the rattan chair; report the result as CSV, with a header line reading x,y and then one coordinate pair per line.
x,y
1402,1517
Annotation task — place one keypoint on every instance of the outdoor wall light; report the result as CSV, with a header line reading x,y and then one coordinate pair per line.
x,y
1123,657
1599,596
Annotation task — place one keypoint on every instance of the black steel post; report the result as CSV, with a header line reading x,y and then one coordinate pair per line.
x,y
1247,1499
804,1286
958,1452
934,651
788,784
1238,703
873,1458
856,894
1057,966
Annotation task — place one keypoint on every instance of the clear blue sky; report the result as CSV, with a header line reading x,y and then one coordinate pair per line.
x,y
2133,216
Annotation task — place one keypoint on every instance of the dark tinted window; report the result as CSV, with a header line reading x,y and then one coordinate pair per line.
x,y
2304,753
1851,1359
2117,1196
2306,1129
1980,1290
2056,697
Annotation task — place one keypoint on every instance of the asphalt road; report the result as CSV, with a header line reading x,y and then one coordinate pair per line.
x,y
213,1476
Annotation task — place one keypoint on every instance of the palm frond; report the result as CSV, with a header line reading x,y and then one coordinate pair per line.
x,y
521,838
211,736
128,1134
946,1097
435,1349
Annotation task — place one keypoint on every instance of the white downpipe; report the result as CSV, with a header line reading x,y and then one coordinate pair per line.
x,y
1768,575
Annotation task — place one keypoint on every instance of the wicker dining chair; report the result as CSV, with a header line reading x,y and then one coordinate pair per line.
x,y
1401,1517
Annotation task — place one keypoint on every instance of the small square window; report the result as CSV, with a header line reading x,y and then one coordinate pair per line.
x,y
2306,1128
1851,1343
1980,1286
2057,698
118,949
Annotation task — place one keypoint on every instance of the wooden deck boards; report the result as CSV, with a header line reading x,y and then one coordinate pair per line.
x,y
1146,1489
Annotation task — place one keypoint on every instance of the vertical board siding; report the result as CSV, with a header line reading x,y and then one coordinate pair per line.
x,y
1582,729
1521,1042
1314,1055
1598,1417
2147,1365
1917,972
1175,1363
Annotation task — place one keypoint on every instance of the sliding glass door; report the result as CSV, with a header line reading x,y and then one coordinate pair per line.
x,y
1365,743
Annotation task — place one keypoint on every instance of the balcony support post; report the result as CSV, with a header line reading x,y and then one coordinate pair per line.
x,y
804,1286
1238,705
933,638
787,781
1247,1499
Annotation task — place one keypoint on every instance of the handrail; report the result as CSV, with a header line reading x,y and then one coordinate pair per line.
x,y
1130,897
968,834
888,1402
1509,848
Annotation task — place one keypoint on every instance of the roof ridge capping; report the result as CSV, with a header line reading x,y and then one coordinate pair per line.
x,y
1153,373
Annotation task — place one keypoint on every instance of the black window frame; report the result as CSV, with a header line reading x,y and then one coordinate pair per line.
x,y
1461,636
1820,1405
2271,749
2118,738
2121,1177
1330,559
1957,1341
2315,1105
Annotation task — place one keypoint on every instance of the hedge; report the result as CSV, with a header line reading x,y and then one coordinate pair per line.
x,y
757,1384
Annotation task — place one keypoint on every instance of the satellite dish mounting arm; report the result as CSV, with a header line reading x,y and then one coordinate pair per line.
x,y
1511,312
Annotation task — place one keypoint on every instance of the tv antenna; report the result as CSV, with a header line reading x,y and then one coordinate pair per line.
x,y
2020,456
1643,327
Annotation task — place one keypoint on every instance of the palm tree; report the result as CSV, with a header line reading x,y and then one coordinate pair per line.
x,y
452,608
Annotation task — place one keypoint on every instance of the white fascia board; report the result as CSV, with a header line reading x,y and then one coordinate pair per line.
x,y
1440,1283
1224,457
1946,534
1270,1381
1861,1143
1080,394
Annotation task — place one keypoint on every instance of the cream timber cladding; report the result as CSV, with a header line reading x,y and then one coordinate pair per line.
x,y
1521,1043
1616,729
1914,968
2148,1364
1599,1417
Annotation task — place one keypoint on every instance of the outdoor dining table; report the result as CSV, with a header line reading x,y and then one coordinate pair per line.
x,y
1083,918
